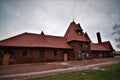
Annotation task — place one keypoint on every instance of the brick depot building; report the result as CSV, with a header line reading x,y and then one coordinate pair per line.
x,y
33,48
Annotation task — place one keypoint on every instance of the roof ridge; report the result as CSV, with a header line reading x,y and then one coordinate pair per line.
x,y
13,36
55,36
105,41
31,33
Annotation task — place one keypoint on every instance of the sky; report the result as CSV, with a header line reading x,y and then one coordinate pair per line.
x,y
54,16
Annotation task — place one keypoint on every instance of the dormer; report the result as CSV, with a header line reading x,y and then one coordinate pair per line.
x,y
79,29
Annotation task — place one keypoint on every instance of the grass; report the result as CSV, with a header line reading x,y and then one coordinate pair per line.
x,y
112,72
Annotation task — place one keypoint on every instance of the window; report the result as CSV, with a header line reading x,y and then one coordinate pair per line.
x,y
80,44
42,55
85,45
79,55
79,32
24,52
12,56
1,55
55,52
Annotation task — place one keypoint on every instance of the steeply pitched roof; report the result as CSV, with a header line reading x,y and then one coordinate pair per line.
x,y
36,40
87,37
104,46
98,47
108,45
47,41
72,35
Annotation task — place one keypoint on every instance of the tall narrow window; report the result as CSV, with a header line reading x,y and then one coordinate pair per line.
x,y
12,56
55,52
81,45
84,45
42,54
24,53
79,33
1,55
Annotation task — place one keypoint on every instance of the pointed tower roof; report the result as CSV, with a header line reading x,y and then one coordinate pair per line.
x,y
72,33
42,33
78,27
87,37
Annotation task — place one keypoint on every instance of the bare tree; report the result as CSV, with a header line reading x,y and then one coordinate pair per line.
x,y
116,33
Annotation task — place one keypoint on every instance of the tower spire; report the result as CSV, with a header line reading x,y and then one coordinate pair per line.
x,y
73,19
42,33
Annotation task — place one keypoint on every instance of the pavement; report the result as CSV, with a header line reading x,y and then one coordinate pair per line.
x,y
24,71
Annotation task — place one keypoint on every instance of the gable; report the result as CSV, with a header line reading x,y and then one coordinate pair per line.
x,y
72,33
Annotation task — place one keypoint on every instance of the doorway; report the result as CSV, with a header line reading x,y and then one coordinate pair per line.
x,y
65,57
6,58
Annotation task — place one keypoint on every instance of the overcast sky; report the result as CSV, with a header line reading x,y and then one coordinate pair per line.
x,y
54,17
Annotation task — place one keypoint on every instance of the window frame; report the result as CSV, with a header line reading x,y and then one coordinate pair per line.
x,y
24,53
79,32
41,54
55,52
83,44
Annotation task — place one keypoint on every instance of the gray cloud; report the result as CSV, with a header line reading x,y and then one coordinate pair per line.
x,y
54,16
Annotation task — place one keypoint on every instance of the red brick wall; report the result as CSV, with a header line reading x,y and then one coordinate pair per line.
x,y
76,47
33,54
104,54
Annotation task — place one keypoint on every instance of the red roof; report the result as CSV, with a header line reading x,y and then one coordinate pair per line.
x,y
47,41
98,47
36,40
108,45
72,35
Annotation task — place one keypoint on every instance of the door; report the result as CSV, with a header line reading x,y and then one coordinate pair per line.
x,y
65,56
83,55
6,58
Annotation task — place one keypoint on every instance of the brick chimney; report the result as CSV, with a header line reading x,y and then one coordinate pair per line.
x,y
99,37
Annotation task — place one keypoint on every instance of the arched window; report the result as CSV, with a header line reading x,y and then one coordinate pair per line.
x,y
12,56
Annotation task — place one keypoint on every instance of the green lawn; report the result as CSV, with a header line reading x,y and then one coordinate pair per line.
x,y
112,72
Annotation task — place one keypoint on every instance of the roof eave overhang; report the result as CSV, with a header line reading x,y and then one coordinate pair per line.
x,y
37,47
77,41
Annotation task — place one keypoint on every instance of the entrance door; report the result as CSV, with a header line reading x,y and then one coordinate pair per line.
x,y
6,58
65,56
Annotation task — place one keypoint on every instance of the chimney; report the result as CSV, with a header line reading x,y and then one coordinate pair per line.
x,y
99,37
